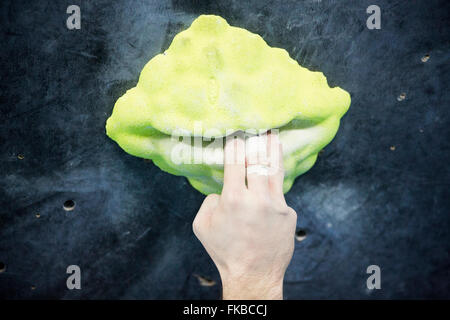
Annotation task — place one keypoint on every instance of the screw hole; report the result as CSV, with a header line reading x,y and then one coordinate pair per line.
x,y
69,205
205,281
20,156
2,267
300,235
425,58
38,215
33,287
401,97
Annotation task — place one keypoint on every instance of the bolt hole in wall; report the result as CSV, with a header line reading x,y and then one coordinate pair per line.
x,y
2,267
205,281
401,97
425,58
69,205
300,235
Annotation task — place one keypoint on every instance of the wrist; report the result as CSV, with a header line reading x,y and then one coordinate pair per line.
x,y
251,288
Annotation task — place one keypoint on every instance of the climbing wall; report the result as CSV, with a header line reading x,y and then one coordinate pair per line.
x,y
378,194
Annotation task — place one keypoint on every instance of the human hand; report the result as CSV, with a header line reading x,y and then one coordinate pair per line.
x,y
249,230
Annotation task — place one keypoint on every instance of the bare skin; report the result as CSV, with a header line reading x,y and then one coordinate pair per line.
x,y
249,230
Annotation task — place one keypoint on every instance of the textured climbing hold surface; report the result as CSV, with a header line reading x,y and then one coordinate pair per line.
x,y
224,78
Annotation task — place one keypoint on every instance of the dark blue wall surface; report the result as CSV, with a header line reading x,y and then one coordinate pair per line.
x,y
377,195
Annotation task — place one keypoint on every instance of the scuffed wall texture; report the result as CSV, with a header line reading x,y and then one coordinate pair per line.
x,y
377,195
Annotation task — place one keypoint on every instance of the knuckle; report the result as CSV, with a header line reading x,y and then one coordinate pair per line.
x,y
231,199
279,206
265,203
196,225
280,210
209,202
212,197
291,212
260,200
